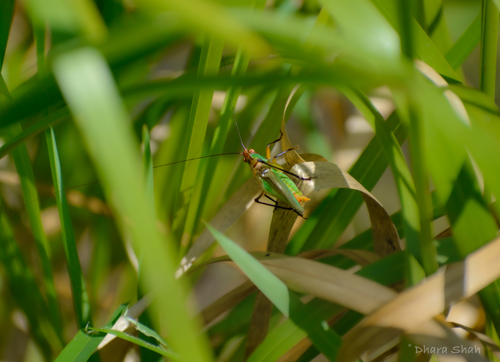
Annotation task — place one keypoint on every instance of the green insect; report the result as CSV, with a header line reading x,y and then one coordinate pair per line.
x,y
274,179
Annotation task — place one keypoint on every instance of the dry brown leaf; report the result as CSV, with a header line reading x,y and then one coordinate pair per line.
x,y
412,308
330,283
232,298
439,335
361,257
485,340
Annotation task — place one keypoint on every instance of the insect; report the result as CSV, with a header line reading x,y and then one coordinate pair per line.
x,y
273,178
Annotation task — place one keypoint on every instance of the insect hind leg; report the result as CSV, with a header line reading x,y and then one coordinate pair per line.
x,y
257,200
275,205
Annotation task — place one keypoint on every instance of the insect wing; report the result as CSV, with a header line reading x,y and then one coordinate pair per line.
x,y
274,184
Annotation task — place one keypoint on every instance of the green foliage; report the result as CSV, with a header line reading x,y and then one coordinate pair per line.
x,y
102,77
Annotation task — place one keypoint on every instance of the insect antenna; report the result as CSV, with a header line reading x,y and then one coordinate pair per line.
x,y
198,158
236,124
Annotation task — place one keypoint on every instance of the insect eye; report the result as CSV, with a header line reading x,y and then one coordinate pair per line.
x,y
251,151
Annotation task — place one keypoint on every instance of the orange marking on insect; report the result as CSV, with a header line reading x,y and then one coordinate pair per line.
x,y
301,198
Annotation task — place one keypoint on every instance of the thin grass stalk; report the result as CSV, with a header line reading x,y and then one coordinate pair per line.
x,y
465,45
489,40
423,196
81,303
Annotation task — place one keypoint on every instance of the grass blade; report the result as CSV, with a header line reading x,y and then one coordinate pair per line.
x,y
465,45
30,196
84,344
89,89
80,298
489,39
24,290
6,14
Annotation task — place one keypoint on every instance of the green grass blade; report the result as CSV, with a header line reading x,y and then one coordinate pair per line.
x,y
77,17
148,166
89,89
30,196
380,39
188,207
436,24
47,121
489,40
168,179
139,342
423,46
147,331
211,19
428,253
79,291
273,288
84,343
464,46
6,14
25,292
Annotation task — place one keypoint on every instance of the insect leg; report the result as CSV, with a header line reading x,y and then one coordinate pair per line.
x,y
273,205
276,205
268,150
282,153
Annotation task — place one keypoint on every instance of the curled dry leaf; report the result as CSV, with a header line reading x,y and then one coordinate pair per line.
x,y
329,175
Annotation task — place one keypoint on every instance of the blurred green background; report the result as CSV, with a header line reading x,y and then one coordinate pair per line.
x,y
105,79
